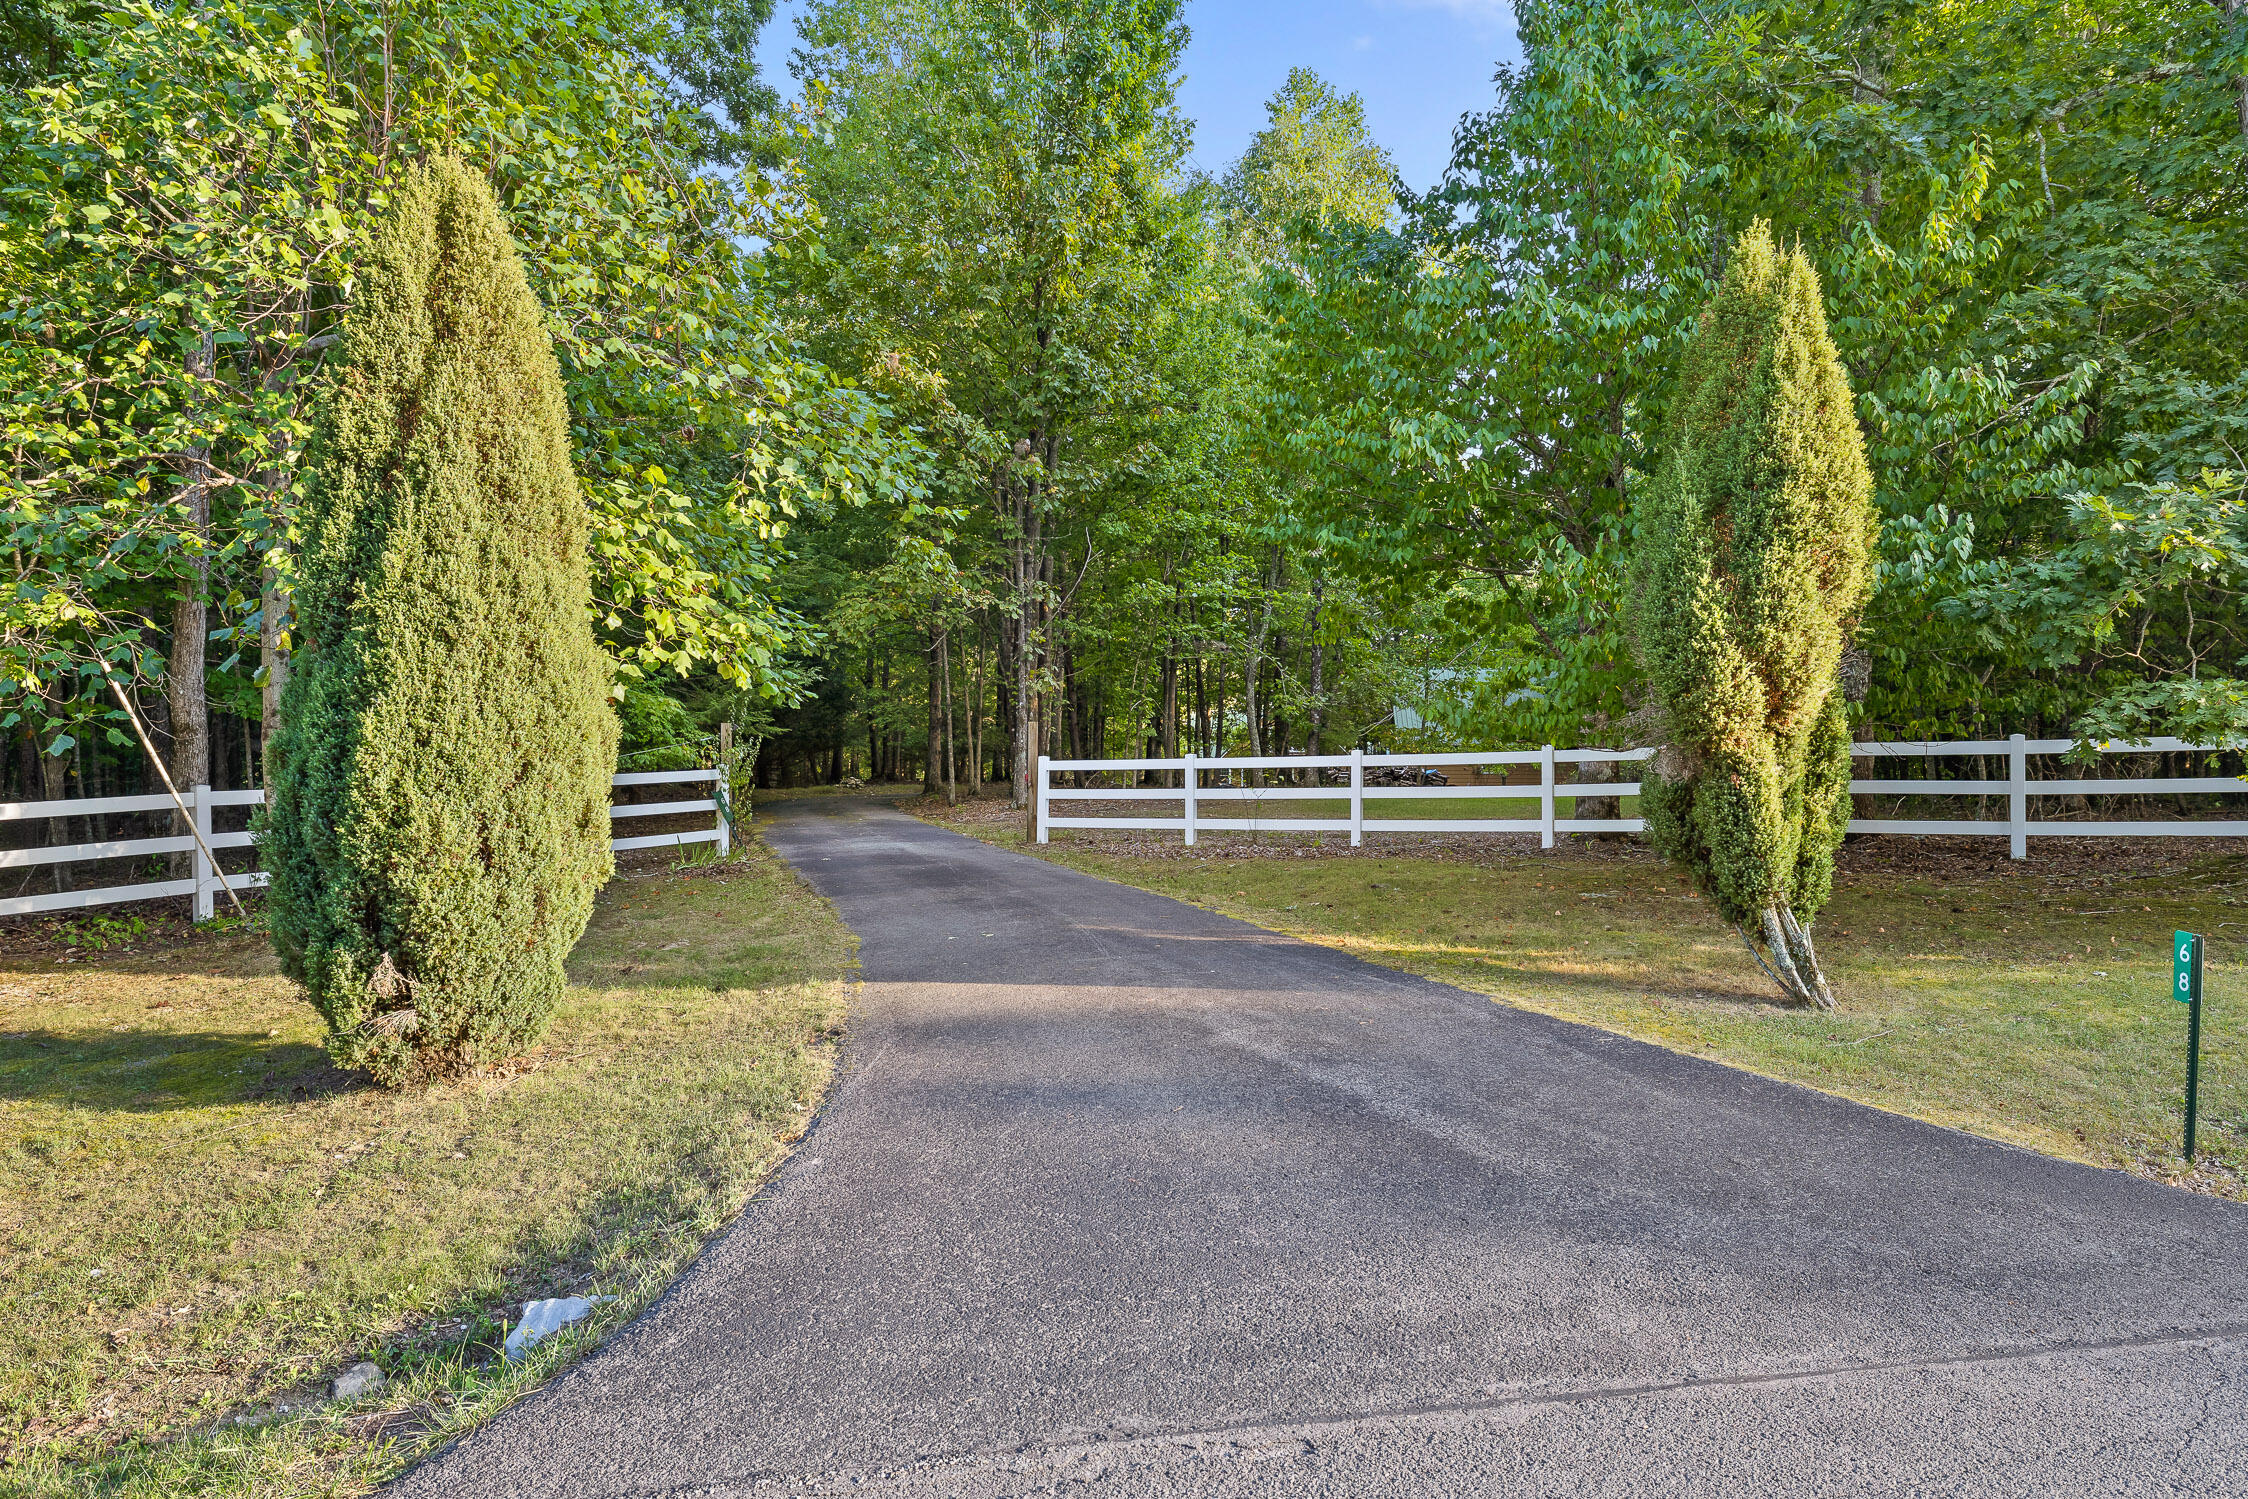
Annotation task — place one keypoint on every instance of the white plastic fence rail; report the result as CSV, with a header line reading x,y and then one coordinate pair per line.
x,y
720,832
203,883
2017,788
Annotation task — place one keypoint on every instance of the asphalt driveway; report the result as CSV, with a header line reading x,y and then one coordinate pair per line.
x,y
1120,1197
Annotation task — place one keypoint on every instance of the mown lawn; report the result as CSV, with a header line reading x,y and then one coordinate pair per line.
x,y
2026,1002
201,1221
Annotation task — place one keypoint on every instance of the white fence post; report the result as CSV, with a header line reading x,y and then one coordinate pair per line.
x,y
1357,796
723,794
199,805
196,806
1043,774
2017,796
1545,797
722,789
1187,784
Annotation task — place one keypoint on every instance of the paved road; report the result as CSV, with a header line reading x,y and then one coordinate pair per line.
x,y
1120,1197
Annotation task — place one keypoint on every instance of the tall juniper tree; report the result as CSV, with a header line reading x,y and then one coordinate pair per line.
x,y
440,816
1753,565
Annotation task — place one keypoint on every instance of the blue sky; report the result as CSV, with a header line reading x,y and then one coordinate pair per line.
x,y
1418,64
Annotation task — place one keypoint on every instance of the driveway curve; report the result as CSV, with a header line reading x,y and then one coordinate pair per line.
x,y
1117,1196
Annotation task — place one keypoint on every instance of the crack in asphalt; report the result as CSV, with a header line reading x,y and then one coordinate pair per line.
x,y
2208,1407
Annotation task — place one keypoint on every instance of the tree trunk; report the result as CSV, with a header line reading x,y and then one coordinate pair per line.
x,y
1276,732
1252,667
1315,738
944,667
53,787
1026,708
1789,960
1599,807
185,692
1218,744
273,653
1201,708
2235,10
223,727
185,688
1806,958
999,756
1167,712
974,716
27,762
932,775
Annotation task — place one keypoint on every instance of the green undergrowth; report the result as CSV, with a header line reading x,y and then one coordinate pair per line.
x,y
2025,1002
205,1221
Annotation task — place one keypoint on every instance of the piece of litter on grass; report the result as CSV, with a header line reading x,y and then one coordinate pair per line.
x,y
360,1379
542,1319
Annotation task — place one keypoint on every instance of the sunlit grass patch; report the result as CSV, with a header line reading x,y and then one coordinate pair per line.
x,y
203,1220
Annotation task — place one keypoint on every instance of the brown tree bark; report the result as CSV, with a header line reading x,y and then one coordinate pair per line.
x,y
272,630
186,691
975,707
933,777
944,665
53,787
1315,736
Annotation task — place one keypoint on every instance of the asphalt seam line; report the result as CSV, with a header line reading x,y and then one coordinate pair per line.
x,y
1043,1452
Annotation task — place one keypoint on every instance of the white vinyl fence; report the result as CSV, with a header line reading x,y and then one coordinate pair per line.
x,y
203,883
1196,792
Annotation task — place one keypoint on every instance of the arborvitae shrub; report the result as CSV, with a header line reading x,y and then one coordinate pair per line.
x,y
440,817
1753,564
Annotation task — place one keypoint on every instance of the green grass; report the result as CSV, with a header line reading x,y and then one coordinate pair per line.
x,y
203,1220
2029,1003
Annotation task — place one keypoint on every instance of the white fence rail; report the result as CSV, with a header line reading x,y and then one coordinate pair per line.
x,y
202,884
2018,789
719,832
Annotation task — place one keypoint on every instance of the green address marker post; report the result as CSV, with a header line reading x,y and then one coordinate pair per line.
x,y
2185,987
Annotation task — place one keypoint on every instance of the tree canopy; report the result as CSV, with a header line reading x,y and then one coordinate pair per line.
x,y
949,412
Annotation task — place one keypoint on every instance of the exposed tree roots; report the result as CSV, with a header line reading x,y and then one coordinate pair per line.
x,y
1788,958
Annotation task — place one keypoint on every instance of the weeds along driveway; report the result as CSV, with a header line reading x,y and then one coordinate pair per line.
x,y
1120,1193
